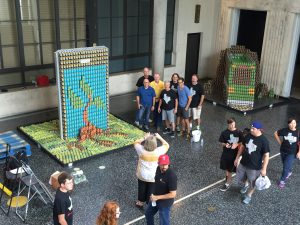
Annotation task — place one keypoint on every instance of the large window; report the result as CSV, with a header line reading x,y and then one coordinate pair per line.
x,y
31,31
125,27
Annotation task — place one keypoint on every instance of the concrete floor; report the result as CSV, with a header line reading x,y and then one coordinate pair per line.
x,y
197,168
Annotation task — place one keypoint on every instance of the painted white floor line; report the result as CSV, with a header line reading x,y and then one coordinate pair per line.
x,y
192,194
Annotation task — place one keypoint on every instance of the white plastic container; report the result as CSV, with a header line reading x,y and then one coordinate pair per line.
x,y
196,135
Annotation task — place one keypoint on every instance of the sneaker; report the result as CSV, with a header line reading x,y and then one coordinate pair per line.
x,y
150,121
198,127
172,134
146,127
178,129
225,187
281,184
166,131
289,175
137,123
247,200
244,189
140,126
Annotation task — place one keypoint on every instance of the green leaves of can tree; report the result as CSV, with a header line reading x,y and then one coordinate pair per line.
x,y
98,102
85,87
75,100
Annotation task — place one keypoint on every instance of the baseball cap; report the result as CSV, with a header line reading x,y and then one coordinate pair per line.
x,y
163,160
257,125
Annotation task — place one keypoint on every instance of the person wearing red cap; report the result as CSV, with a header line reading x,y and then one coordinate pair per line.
x,y
164,192
255,158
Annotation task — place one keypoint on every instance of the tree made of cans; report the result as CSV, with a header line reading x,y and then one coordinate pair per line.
x,y
238,75
82,79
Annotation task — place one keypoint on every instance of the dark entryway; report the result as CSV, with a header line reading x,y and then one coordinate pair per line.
x,y
295,89
251,30
192,55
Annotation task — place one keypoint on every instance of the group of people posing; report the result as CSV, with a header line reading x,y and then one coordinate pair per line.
x,y
244,152
173,102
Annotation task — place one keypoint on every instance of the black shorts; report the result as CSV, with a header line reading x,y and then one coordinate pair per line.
x,y
227,160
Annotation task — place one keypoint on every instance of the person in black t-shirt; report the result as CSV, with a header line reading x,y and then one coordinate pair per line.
x,y
140,83
197,92
230,139
168,104
146,75
174,87
63,207
289,148
174,82
255,158
164,193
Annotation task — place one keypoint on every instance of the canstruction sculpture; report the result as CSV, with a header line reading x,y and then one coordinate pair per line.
x,y
82,79
238,75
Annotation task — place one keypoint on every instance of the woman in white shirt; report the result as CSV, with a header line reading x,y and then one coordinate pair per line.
x,y
148,153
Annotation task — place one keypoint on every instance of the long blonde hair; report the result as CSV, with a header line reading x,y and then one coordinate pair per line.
x,y
150,143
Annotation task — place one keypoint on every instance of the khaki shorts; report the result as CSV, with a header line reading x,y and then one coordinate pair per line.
x,y
243,173
195,113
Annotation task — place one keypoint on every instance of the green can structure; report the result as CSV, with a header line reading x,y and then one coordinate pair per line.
x,y
239,80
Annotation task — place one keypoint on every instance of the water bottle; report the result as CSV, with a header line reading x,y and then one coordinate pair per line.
x,y
153,203
201,142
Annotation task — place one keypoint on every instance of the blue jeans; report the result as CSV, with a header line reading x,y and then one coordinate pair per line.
x,y
164,214
157,116
144,114
287,161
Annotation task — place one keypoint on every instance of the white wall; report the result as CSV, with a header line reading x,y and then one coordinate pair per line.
x,y
42,98
27,100
184,24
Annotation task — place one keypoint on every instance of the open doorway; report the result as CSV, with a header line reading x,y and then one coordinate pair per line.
x,y
192,56
295,88
251,30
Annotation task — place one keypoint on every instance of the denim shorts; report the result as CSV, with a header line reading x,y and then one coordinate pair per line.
x,y
168,115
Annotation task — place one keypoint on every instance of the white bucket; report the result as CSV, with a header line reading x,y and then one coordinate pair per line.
x,y
196,135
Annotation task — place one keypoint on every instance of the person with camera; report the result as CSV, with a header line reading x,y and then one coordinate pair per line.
x,y
148,153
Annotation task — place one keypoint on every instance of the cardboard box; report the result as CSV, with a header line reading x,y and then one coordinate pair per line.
x,y
54,180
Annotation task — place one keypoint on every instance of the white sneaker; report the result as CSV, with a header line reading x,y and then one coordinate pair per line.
x,y
136,123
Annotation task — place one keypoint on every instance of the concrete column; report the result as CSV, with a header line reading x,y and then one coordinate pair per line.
x,y
290,52
271,61
224,28
234,26
159,36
